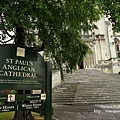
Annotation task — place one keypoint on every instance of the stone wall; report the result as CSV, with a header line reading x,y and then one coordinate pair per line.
x,y
56,79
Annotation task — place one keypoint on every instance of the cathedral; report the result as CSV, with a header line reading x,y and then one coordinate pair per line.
x,y
105,47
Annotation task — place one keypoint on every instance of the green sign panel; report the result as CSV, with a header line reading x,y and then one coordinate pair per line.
x,y
14,107
21,68
20,97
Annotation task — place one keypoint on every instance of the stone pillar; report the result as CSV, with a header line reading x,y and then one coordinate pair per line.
x,y
98,51
95,55
103,48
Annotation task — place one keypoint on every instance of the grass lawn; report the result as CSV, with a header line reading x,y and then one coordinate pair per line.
x,y
10,115
6,115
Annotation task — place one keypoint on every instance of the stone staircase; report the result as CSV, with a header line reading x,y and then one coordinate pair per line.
x,y
65,93
88,87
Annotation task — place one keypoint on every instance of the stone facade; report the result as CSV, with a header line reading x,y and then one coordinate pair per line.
x,y
105,46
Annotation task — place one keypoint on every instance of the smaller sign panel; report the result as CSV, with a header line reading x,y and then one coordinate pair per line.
x,y
36,91
20,52
19,97
11,97
29,106
7,108
43,96
14,107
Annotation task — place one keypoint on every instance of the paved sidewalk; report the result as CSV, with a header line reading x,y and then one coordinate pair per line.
x,y
86,112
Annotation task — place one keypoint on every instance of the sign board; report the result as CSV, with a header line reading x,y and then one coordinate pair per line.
x,y
21,68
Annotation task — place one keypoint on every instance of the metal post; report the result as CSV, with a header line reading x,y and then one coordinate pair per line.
x,y
48,89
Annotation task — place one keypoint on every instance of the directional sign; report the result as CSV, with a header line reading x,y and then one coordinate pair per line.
x,y
14,107
20,97
11,97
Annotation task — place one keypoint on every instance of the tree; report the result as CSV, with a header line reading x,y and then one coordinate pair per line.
x,y
111,8
56,25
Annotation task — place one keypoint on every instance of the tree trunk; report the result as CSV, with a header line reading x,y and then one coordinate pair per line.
x,y
23,115
21,40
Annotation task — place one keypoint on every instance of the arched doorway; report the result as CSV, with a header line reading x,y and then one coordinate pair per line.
x,y
89,60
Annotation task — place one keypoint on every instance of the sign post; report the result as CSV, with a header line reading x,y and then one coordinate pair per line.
x,y
48,108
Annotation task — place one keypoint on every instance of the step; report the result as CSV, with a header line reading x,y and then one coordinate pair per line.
x,y
88,87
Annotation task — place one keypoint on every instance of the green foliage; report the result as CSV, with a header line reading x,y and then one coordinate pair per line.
x,y
6,116
56,23
111,8
10,116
